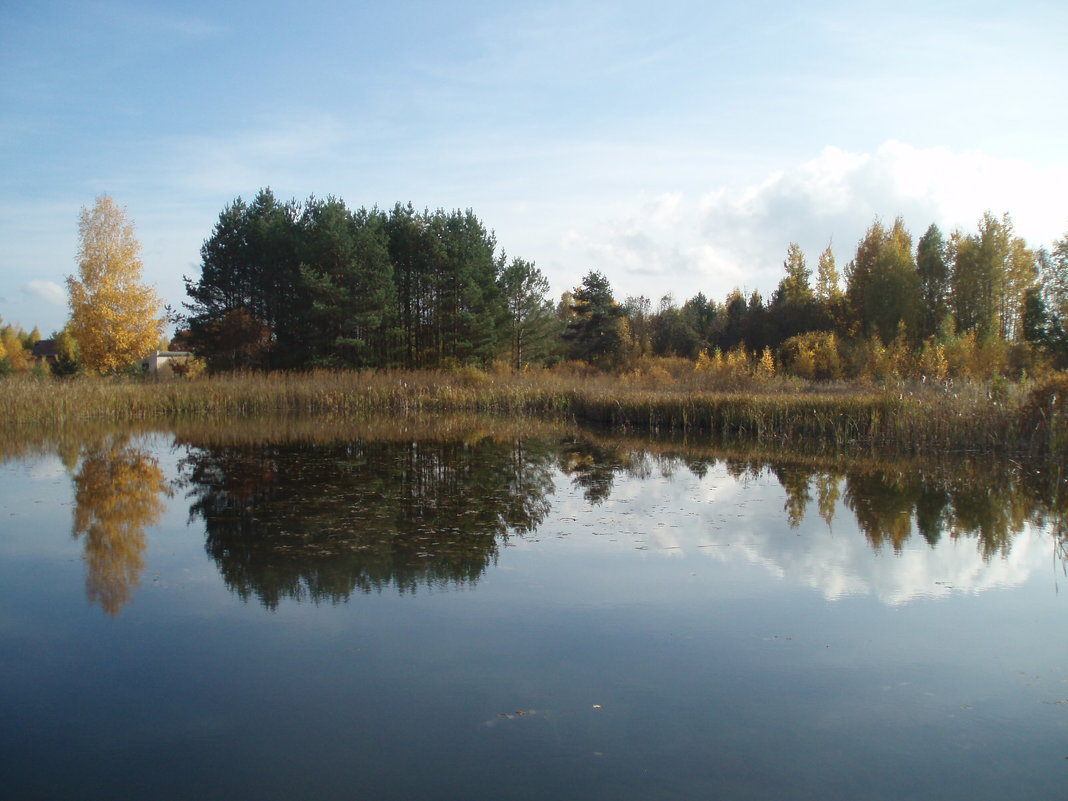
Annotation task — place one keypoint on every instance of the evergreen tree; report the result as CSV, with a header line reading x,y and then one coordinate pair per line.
x,y
756,329
793,304
469,310
593,335
348,276
251,265
704,317
410,251
733,329
933,271
273,256
672,333
531,321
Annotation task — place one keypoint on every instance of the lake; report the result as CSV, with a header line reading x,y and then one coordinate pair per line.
x,y
467,609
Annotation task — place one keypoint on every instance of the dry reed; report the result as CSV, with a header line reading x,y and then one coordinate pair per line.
x,y
916,419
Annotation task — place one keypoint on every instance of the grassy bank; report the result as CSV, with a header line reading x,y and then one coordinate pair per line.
x,y
906,418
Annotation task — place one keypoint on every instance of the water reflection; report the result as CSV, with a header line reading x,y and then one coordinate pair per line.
x,y
320,521
593,466
118,491
988,501
951,525
319,511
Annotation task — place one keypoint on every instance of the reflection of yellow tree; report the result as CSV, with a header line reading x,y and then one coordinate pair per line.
x,y
828,491
117,494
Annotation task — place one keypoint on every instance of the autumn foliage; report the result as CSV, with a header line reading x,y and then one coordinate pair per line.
x,y
115,319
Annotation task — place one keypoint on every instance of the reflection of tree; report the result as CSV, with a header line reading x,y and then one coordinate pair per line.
x,y
319,521
1048,490
963,499
796,481
882,505
992,511
117,492
960,500
933,512
828,491
593,466
990,502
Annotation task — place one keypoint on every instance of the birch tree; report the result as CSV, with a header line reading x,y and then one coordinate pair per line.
x,y
115,319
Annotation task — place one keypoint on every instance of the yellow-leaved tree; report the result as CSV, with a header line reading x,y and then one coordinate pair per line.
x,y
115,319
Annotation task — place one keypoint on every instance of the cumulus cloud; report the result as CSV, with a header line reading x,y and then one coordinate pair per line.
x,y
736,236
48,291
838,194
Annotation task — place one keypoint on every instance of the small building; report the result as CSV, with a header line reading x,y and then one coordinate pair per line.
x,y
162,362
45,349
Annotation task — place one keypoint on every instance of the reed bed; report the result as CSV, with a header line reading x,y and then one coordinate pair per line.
x,y
969,417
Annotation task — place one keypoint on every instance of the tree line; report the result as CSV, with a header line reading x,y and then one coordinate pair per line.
x,y
985,294
296,285
322,521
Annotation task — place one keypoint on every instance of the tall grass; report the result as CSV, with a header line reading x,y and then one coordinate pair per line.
x,y
907,418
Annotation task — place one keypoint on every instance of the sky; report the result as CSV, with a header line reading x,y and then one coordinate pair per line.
x,y
677,147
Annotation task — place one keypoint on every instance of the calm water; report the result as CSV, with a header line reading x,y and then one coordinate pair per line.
x,y
475,615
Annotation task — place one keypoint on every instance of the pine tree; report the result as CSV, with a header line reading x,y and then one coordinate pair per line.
x,y
933,270
530,312
594,331
348,277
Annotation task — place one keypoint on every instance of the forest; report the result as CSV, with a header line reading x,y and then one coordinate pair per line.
x,y
317,285
301,285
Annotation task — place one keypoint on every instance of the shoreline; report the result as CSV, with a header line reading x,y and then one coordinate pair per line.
x,y
969,416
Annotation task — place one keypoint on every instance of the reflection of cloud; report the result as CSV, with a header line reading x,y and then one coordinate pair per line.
x,y
842,562
955,565
733,521
48,291
46,468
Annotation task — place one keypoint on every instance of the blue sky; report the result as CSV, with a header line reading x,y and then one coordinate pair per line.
x,y
675,146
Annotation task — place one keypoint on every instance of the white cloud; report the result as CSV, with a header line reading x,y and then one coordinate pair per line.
x,y
47,291
736,236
